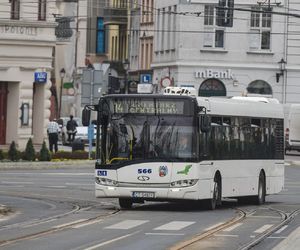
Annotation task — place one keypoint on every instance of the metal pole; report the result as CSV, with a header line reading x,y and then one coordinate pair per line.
x,y
91,102
60,95
126,82
92,87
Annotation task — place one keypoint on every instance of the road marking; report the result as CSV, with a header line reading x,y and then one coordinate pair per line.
x,y
281,229
69,223
127,224
263,228
214,226
291,242
17,182
163,234
110,241
175,225
226,235
229,229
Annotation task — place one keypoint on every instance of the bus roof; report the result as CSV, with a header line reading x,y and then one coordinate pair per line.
x,y
241,106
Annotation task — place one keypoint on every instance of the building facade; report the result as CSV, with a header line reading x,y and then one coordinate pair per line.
x,y
258,54
141,43
107,38
27,31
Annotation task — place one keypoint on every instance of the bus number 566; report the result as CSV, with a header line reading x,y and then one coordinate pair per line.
x,y
144,171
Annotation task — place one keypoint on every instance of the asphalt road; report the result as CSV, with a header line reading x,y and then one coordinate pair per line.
x,y
56,209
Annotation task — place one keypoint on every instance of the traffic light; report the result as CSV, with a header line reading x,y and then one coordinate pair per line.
x,y
225,13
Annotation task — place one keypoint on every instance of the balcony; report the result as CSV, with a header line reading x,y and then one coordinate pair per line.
x,y
115,15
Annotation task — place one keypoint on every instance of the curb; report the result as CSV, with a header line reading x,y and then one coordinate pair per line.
x,y
47,165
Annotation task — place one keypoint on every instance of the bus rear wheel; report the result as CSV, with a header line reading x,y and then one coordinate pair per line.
x,y
125,203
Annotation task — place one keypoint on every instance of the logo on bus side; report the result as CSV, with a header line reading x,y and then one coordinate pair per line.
x,y
163,171
102,173
143,178
186,170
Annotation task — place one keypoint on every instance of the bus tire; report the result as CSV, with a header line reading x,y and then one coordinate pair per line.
x,y
211,204
261,196
125,203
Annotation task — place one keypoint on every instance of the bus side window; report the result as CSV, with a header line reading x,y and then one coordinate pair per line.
x,y
227,137
216,138
204,138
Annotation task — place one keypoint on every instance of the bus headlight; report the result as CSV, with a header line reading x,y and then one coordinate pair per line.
x,y
106,182
184,183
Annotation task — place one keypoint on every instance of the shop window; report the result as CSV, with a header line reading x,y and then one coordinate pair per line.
x,y
15,9
259,87
212,87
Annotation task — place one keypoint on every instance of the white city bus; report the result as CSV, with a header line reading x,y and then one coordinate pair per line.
x,y
235,148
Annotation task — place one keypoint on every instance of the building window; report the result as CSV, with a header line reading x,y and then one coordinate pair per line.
x,y
42,11
259,87
15,9
212,87
100,46
213,34
260,29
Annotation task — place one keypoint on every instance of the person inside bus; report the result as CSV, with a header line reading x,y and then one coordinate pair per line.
x,y
184,147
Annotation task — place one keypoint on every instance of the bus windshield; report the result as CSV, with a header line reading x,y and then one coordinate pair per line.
x,y
145,137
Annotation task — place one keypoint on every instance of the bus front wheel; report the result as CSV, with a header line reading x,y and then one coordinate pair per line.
x,y
211,204
261,196
125,203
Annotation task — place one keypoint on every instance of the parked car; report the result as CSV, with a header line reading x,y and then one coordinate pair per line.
x,y
82,131
292,131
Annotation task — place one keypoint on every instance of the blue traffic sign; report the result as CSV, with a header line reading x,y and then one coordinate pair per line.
x,y
146,78
40,77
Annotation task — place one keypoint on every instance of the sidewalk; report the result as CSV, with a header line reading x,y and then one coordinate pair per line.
x,y
47,164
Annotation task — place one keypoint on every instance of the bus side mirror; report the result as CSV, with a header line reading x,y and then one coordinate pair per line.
x,y
205,124
86,116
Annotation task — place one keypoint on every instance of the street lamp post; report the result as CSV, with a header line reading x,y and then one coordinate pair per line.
x,y
62,76
282,68
126,67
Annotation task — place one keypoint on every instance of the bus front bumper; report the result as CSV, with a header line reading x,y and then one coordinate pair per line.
x,y
201,190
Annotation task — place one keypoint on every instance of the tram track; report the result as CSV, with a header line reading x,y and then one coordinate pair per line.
x,y
287,217
242,215
76,208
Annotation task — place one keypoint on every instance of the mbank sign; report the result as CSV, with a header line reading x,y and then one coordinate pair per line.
x,y
219,74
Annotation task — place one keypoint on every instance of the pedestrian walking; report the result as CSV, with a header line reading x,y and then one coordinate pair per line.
x,y
71,129
52,131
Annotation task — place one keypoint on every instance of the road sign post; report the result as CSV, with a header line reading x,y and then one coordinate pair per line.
x,y
90,137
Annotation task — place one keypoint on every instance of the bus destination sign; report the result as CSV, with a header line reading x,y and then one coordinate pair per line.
x,y
148,106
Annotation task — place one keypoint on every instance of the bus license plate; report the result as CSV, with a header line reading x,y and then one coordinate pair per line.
x,y
143,194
